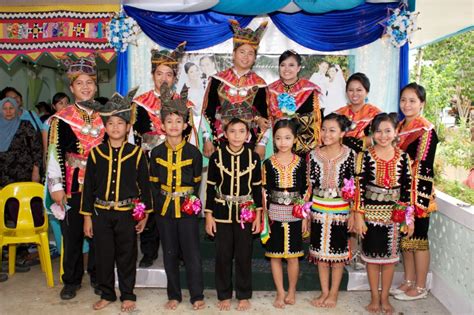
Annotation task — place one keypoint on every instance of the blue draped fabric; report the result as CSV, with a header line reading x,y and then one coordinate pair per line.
x,y
249,7
334,31
200,30
323,6
121,77
404,72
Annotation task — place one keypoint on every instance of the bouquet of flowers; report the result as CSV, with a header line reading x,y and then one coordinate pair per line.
x,y
191,205
301,209
122,31
348,191
286,104
247,213
400,26
138,210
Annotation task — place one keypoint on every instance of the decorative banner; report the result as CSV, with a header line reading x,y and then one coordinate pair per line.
x,y
55,33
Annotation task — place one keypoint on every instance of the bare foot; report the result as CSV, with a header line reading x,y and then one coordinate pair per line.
x,y
223,305
318,302
199,305
100,304
172,305
387,308
290,298
128,306
243,305
279,300
374,306
405,286
331,300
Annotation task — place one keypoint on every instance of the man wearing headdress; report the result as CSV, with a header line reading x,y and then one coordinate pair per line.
x,y
238,92
149,133
74,131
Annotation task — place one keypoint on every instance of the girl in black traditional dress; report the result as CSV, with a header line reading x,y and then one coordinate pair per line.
x,y
331,171
284,182
383,207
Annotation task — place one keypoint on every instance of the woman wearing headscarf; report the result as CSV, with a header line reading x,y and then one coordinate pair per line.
x,y
20,157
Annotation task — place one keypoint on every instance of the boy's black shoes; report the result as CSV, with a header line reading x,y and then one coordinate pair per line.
x,y
146,262
69,291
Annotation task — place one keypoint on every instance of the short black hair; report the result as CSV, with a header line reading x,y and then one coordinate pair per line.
x,y
343,122
419,90
7,89
290,53
59,96
154,66
379,118
362,78
234,121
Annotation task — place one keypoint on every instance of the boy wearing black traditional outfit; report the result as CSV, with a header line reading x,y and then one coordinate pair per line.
x,y
175,174
116,195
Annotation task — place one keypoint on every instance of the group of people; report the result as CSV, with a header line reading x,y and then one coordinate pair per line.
x,y
279,165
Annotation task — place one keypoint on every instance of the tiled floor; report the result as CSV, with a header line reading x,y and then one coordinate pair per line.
x,y
27,293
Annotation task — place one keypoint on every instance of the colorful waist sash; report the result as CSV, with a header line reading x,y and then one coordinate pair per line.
x,y
330,205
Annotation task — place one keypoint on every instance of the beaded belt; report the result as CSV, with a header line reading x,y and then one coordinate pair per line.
x,y
382,194
238,199
113,204
283,197
327,192
177,194
281,213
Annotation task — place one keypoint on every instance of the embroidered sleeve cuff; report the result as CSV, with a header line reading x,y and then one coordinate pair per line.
x,y
149,211
207,211
154,179
197,179
85,213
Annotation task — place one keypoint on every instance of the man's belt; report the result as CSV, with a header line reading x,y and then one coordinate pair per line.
x,y
284,197
113,204
238,199
382,194
177,194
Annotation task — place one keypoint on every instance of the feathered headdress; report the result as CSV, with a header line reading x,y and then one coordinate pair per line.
x,y
168,58
173,105
247,35
117,105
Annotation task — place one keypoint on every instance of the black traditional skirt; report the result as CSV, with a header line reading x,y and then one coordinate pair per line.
x,y
381,243
419,239
329,235
286,238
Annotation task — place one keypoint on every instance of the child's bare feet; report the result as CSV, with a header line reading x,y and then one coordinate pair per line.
x,y
290,298
387,308
199,305
318,302
279,300
331,300
100,304
128,306
243,305
223,305
374,306
172,305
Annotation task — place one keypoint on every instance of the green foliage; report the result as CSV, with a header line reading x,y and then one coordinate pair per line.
x,y
457,149
445,66
456,189
311,62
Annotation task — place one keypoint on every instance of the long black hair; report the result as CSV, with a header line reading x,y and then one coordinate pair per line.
x,y
343,122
